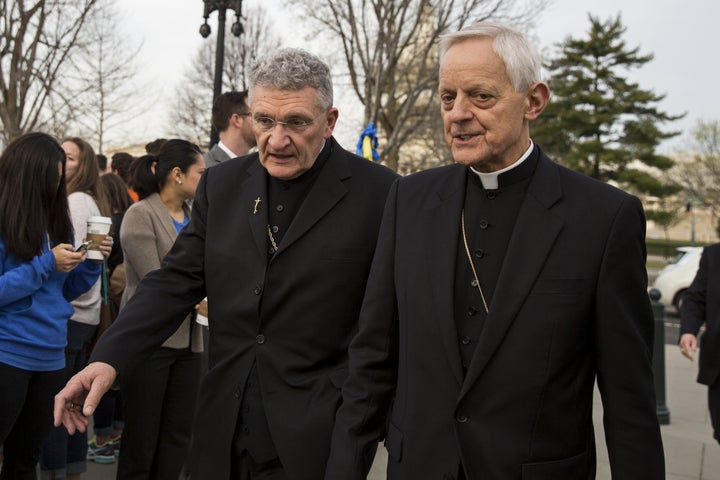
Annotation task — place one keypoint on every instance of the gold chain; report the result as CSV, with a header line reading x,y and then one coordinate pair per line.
x,y
272,239
472,265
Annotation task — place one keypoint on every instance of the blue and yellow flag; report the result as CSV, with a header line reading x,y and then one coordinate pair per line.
x,y
368,143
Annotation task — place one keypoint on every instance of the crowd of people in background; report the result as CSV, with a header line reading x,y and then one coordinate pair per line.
x,y
44,218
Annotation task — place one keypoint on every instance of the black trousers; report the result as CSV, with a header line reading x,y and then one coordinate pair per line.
x,y
159,400
246,468
26,416
714,405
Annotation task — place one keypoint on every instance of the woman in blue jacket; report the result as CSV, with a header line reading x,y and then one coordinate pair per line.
x,y
40,272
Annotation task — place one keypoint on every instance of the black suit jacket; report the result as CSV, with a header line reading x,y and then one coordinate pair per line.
x,y
294,317
701,305
570,304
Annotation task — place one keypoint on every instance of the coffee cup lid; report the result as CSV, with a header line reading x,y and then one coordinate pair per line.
x,y
100,220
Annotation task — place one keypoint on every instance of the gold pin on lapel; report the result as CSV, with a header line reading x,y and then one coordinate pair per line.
x,y
257,202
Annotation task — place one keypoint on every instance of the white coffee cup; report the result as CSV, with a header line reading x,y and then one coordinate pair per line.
x,y
97,229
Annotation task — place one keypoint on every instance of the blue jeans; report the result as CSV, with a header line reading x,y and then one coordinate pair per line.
x,y
62,453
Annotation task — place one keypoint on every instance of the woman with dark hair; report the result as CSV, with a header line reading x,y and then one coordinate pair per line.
x,y
159,396
40,273
108,422
64,456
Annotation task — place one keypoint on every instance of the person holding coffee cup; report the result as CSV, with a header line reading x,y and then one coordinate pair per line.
x,y
40,273
63,454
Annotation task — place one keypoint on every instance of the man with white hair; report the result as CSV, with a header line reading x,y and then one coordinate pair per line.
x,y
502,287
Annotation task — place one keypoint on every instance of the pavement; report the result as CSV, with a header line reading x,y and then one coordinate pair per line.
x,y
690,450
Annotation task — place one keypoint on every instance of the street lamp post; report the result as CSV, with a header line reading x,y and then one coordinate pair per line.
x,y
237,29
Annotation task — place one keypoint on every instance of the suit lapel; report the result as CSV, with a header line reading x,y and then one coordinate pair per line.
x,y
440,255
325,193
219,154
534,234
254,202
160,211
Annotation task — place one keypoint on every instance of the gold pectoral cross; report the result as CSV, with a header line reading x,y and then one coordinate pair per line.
x,y
257,202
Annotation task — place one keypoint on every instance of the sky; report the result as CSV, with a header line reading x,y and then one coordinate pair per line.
x,y
678,33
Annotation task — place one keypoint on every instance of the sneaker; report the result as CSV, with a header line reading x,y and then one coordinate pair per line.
x,y
104,453
115,441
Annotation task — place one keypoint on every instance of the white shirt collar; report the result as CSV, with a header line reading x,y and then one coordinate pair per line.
x,y
490,180
225,149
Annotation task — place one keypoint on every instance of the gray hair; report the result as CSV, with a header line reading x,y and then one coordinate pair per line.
x,y
522,61
293,69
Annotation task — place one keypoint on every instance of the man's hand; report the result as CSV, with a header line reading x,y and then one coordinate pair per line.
x,y
688,345
81,395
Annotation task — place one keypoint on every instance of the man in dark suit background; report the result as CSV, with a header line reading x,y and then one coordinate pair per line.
x,y
281,243
231,118
701,306
502,287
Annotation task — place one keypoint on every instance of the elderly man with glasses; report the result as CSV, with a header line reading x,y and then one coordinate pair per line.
x,y
280,242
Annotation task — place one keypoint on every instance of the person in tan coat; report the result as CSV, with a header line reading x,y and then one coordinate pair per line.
x,y
159,396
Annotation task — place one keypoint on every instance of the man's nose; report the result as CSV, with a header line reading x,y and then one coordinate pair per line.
x,y
278,138
461,109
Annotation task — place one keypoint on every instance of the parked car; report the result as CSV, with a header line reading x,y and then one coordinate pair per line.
x,y
676,277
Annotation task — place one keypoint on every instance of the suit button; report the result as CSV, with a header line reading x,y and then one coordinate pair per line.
x,y
257,290
461,419
237,393
465,340
472,311
260,339
491,195
479,253
484,224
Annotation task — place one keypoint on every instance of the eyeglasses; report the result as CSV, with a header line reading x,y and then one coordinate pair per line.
x,y
293,124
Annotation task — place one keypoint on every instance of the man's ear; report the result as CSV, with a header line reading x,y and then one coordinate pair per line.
x,y
331,120
236,120
537,98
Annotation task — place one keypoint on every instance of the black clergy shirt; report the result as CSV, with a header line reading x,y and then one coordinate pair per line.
x,y
285,197
490,217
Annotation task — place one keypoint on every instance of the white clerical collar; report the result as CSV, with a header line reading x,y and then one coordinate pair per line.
x,y
225,149
490,180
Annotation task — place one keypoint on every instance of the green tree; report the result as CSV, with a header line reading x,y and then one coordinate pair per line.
x,y
599,122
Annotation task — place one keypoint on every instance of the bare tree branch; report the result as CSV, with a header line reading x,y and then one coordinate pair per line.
x,y
389,50
99,80
192,108
36,41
